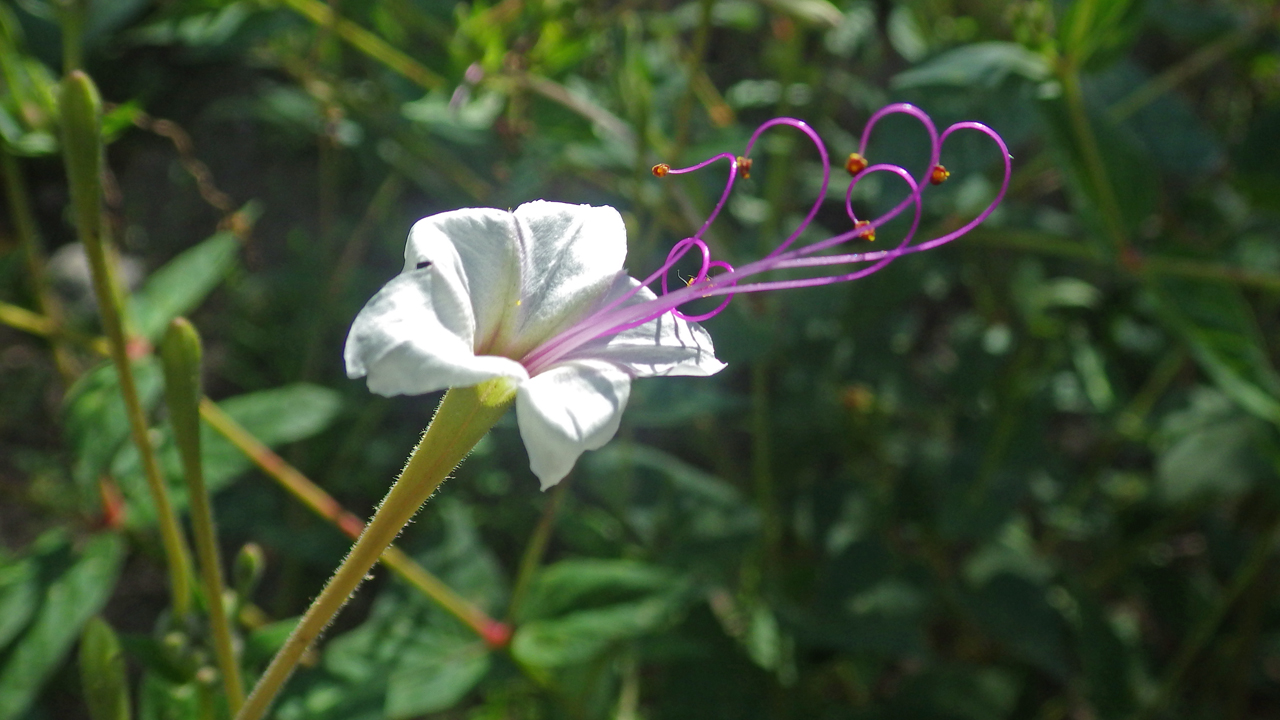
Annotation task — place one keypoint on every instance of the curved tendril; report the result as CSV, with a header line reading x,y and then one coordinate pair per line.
x,y
935,146
678,251
813,136
718,309
728,186
612,318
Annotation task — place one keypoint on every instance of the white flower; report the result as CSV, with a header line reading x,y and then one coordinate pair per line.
x,y
482,288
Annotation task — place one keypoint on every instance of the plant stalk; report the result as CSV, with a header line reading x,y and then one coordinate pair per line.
x,y
464,417
495,633
181,352
82,151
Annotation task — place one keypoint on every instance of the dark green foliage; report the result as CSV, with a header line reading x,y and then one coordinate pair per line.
x,y
1032,474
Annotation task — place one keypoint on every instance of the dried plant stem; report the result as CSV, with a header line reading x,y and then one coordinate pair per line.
x,y
464,416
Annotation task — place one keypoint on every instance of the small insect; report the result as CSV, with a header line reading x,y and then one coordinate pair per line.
x,y
744,167
869,233
422,264
855,164
938,175
661,170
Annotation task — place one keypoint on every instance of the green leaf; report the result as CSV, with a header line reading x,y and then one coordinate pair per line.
x,y
276,417
102,672
435,674
96,422
18,596
1092,32
582,583
1208,448
180,286
984,65
1107,663
1015,613
73,596
1219,326
580,636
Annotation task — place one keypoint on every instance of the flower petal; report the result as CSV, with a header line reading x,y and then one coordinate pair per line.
x,y
666,345
528,274
414,336
572,407
569,257
475,252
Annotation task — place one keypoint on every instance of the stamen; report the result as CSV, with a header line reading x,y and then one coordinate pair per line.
x,y
855,164
622,314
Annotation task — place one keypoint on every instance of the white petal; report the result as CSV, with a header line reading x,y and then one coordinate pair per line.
x,y
528,274
414,336
666,345
569,257
476,253
570,408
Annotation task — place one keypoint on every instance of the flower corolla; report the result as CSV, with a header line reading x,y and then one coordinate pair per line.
x,y
539,296
482,288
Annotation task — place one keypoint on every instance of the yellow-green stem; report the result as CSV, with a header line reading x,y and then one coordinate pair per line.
x,y
323,504
464,416
367,43
536,548
1112,218
82,152
181,353
24,224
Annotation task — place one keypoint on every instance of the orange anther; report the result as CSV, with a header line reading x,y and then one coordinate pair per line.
x,y
744,167
869,233
855,164
938,175
661,170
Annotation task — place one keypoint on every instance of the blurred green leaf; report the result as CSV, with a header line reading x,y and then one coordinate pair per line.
x,y
74,594
1218,325
434,674
19,592
1092,32
182,284
1207,449
579,636
981,65
95,419
1015,613
575,584
102,672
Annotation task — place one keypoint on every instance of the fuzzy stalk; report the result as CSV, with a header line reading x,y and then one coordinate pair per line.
x,y
181,353
82,151
464,417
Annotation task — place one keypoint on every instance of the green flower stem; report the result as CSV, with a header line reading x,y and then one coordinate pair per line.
x,y
320,502
366,42
71,17
464,417
537,547
24,224
181,354
1094,164
82,152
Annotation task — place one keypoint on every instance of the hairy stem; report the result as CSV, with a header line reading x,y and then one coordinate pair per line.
x,y
464,416
323,504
